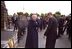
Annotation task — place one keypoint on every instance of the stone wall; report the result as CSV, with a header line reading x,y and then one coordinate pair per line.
x,y
4,14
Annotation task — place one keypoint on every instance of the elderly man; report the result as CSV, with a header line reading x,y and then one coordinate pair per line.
x,y
51,32
32,34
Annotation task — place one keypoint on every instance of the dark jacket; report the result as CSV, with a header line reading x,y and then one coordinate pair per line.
x,y
22,22
32,35
51,31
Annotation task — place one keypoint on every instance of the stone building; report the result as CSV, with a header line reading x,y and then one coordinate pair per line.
x,y
4,15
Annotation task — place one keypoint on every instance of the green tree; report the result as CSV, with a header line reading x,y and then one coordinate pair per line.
x,y
57,15
26,14
42,15
20,13
37,14
30,14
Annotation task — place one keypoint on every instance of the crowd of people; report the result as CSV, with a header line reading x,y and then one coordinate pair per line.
x,y
37,22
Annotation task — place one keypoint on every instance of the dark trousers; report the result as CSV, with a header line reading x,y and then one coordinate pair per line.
x,y
41,27
20,33
50,43
60,31
69,32
15,26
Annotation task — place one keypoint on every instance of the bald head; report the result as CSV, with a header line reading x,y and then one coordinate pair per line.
x,y
34,16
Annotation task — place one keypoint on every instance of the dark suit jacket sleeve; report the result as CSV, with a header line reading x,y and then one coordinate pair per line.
x,y
49,27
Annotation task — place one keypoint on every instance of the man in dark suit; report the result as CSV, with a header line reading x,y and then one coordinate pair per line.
x,y
61,26
68,25
51,32
14,20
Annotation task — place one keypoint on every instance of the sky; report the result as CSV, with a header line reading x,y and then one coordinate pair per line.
x,y
38,7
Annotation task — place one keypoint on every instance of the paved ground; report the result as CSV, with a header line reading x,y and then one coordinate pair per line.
x,y
62,42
